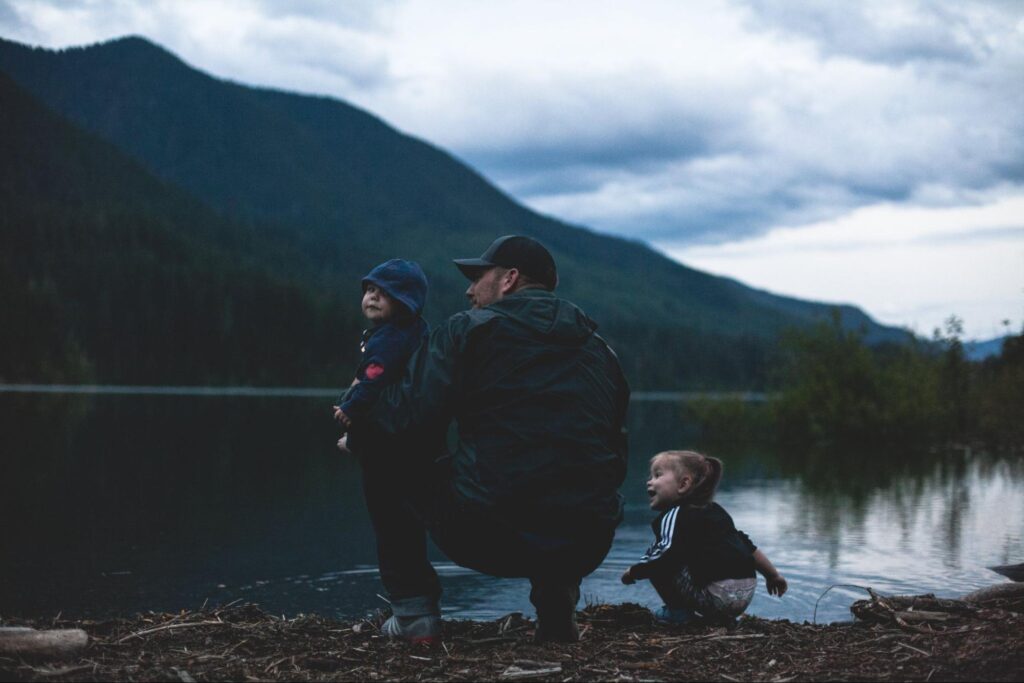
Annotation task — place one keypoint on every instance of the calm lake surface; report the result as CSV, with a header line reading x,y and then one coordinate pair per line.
x,y
118,504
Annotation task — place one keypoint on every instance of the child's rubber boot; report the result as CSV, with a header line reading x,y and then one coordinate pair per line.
x,y
676,616
556,613
414,620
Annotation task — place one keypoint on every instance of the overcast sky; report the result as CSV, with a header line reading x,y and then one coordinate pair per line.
x,y
865,152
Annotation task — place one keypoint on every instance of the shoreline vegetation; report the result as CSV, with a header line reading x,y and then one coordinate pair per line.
x,y
835,392
893,638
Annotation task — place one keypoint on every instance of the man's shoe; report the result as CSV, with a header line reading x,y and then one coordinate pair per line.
x,y
548,631
556,612
415,620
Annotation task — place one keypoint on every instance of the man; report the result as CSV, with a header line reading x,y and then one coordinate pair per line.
x,y
531,489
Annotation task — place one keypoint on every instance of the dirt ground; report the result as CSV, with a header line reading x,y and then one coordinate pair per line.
x,y
894,638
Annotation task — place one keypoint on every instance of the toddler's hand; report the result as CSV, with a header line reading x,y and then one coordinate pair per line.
x,y
627,577
341,417
343,444
776,585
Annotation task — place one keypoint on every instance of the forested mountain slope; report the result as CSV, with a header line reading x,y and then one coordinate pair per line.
x,y
309,192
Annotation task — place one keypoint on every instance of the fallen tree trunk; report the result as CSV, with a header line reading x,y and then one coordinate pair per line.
x,y
1000,590
30,643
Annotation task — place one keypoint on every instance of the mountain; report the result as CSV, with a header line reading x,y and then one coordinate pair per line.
x,y
981,349
310,192
108,273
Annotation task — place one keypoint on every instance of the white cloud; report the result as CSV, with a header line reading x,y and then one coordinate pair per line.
x,y
315,47
683,123
681,119
704,120
885,31
907,266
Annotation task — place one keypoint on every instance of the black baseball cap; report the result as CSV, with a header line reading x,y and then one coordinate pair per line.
x,y
525,254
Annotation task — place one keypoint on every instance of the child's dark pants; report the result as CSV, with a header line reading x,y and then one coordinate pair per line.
x,y
406,500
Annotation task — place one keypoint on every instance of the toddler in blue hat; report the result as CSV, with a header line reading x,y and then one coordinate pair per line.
x,y
393,297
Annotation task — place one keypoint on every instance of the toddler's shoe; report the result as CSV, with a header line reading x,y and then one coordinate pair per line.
x,y
677,616
415,620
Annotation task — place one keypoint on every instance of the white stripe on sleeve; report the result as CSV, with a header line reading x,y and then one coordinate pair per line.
x,y
668,527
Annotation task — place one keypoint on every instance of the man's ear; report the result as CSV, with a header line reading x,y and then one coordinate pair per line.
x,y
510,280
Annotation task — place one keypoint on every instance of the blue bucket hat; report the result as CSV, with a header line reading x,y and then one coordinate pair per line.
x,y
404,281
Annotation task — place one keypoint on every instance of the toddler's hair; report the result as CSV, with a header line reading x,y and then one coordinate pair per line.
x,y
706,473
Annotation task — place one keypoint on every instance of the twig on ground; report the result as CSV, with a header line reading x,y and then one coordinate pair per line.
x,y
167,627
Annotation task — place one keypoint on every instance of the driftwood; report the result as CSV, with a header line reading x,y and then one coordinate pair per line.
x,y
905,610
53,644
1000,590
619,642
1014,572
922,615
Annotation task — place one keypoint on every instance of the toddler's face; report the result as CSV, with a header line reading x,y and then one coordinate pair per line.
x,y
666,486
378,307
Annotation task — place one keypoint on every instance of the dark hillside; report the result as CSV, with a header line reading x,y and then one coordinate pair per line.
x,y
345,191
107,273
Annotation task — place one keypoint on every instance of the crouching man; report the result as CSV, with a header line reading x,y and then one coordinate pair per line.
x,y
531,489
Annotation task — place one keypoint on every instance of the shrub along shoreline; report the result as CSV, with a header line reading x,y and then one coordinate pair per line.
x,y
835,391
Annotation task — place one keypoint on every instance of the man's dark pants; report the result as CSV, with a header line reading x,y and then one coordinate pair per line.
x,y
408,499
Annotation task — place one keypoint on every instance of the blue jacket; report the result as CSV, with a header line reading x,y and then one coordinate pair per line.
x,y
387,348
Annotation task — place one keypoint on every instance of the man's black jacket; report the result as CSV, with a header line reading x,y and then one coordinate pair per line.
x,y
540,403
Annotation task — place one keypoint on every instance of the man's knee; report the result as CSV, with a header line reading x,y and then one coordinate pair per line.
x,y
475,540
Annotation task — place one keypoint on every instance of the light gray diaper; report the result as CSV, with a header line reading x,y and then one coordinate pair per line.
x,y
731,596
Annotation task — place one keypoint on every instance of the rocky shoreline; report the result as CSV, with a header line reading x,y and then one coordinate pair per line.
x,y
908,638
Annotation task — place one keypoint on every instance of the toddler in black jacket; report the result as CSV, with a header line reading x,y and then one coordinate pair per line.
x,y
701,565
393,297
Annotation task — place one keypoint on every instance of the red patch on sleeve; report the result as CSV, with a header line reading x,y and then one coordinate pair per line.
x,y
373,371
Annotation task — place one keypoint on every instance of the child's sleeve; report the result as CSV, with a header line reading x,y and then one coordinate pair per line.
x,y
745,540
383,361
662,553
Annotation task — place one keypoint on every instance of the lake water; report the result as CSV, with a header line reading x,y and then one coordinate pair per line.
x,y
119,504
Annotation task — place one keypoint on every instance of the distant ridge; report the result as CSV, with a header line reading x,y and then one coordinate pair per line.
x,y
982,349
316,191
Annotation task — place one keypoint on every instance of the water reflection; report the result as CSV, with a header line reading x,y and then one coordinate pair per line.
x,y
132,503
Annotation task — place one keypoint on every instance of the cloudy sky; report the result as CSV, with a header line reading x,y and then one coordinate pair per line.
x,y
868,152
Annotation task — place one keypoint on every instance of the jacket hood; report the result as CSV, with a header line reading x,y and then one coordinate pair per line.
x,y
545,313
404,281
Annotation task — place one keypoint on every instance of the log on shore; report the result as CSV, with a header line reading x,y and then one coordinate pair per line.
x,y
19,641
1000,590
